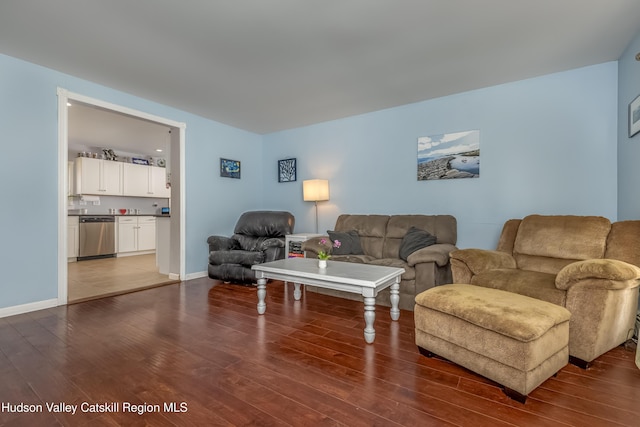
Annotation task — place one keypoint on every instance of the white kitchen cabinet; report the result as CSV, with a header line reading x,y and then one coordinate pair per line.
x,y
136,180
159,182
97,176
146,233
136,234
73,237
127,234
145,181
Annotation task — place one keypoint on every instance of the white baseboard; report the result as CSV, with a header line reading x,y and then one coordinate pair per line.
x,y
125,254
26,308
196,275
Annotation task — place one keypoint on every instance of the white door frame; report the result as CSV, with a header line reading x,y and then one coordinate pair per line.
x,y
65,96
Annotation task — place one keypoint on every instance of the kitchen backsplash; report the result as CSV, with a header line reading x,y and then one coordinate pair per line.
x,y
146,205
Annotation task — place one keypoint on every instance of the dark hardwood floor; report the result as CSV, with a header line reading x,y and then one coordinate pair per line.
x,y
201,345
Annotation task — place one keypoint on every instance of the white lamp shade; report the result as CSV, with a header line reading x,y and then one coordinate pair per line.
x,y
315,190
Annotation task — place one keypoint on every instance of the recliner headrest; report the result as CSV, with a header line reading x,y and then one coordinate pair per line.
x,y
265,223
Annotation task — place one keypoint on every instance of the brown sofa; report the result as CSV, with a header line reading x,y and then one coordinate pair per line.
x,y
583,263
381,238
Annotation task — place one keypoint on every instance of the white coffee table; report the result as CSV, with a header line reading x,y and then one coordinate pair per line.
x,y
364,279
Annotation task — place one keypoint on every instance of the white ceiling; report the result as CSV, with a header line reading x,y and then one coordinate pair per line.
x,y
270,65
91,129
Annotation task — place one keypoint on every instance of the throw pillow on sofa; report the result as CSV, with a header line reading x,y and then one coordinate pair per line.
x,y
349,242
414,240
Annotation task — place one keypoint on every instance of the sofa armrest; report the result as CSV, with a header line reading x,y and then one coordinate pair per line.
x,y
438,253
466,263
479,260
608,274
313,246
221,243
274,242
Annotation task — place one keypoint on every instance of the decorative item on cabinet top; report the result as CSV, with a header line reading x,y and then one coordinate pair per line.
x,y
109,154
139,161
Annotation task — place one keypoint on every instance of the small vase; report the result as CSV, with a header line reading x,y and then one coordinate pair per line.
x,y
322,263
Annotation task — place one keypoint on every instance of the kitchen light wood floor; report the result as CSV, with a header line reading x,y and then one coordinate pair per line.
x,y
112,276
201,348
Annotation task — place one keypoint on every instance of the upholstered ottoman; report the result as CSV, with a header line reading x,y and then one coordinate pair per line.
x,y
514,340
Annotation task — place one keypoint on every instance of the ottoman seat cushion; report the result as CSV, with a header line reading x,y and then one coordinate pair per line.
x,y
495,310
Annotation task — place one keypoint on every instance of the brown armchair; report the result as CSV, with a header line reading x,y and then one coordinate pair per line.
x,y
583,263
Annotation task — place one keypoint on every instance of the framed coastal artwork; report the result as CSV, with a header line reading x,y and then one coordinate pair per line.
x,y
229,168
634,116
449,156
287,170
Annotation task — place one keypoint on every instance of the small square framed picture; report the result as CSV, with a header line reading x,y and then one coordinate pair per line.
x,y
287,170
229,168
634,116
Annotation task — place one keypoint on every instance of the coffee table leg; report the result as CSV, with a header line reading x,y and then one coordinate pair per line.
x,y
369,318
296,291
395,299
262,293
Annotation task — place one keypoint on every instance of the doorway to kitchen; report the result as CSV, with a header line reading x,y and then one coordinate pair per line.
x,y
138,267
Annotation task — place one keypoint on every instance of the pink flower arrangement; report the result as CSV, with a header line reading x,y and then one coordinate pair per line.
x,y
323,254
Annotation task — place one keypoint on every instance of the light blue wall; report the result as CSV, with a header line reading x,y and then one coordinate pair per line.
x,y
28,176
548,146
628,148
214,203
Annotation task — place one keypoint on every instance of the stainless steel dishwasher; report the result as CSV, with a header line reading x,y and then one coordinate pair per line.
x,y
97,237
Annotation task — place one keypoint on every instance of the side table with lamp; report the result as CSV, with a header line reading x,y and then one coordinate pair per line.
x,y
293,244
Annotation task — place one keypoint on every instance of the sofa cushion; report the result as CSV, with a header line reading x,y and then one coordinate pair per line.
x,y
349,242
371,230
541,263
415,239
442,226
559,237
409,272
362,259
623,242
533,284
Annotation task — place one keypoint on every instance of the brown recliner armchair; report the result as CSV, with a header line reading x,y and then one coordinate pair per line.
x,y
259,237
583,263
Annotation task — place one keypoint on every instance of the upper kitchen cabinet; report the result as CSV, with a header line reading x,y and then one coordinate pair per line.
x,y
97,176
159,182
145,181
